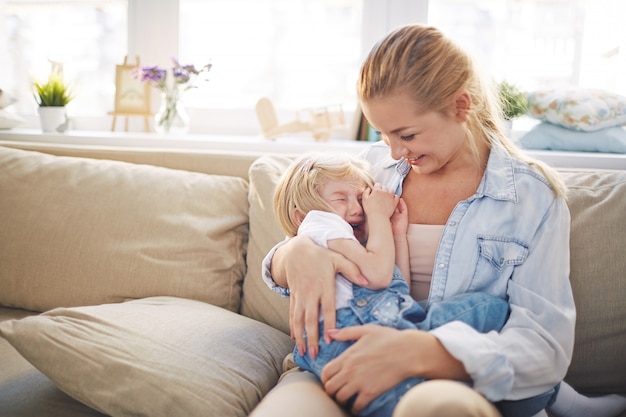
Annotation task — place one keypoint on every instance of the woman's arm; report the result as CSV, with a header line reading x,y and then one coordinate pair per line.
x,y
532,352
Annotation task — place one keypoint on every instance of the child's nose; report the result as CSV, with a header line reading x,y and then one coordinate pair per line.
x,y
357,208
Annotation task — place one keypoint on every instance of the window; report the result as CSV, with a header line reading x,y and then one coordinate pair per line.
x,y
87,39
300,53
541,43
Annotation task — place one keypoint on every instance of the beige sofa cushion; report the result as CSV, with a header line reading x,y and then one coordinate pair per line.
x,y
258,301
24,391
79,231
597,202
159,356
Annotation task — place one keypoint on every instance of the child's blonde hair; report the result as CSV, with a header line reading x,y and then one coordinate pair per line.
x,y
297,192
421,61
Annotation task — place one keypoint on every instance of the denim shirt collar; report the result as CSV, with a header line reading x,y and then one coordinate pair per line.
x,y
499,178
498,181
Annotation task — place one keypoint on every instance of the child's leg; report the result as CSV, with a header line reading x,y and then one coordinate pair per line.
x,y
482,311
570,403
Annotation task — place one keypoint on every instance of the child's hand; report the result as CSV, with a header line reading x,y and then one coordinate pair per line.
x,y
400,219
379,200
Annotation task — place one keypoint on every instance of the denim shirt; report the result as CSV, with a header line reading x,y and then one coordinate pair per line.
x,y
509,239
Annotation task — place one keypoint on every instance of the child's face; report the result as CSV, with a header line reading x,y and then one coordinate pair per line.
x,y
345,198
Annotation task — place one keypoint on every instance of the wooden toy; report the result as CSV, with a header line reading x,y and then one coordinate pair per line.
x,y
320,122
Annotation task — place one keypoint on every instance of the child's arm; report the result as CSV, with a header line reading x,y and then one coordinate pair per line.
x,y
376,260
400,227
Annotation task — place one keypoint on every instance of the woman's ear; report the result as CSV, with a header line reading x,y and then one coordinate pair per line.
x,y
462,105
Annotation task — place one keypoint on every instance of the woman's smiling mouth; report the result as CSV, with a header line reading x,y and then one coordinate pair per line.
x,y
416,160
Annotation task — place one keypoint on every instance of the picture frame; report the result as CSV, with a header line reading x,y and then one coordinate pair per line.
x,y
131,95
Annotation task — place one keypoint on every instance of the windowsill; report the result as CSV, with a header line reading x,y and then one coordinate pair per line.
x,y
258,144
249,143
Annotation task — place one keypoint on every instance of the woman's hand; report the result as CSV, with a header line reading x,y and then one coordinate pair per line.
x,y
381,358
309,270
400,219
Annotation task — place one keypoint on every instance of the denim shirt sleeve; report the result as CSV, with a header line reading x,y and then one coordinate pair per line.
x,y
533,351
267,272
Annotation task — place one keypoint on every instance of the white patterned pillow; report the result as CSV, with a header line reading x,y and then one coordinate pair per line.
x,y
578,108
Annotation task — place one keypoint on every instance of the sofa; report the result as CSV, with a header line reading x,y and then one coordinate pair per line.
x,y
130,281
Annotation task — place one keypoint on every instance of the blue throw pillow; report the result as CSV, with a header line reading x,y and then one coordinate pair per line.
x,y
551,137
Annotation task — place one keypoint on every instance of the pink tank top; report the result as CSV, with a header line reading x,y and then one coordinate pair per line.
x,y
423,242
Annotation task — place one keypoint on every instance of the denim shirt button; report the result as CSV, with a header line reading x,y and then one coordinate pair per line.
x,y
441,266
452,223
361,303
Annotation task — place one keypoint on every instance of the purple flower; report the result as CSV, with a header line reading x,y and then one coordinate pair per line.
x,y
149,74
181,75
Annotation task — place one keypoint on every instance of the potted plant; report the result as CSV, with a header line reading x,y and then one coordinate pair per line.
x,y
52,96
512,100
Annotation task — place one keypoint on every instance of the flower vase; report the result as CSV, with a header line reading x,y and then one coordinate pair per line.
x,y
172,117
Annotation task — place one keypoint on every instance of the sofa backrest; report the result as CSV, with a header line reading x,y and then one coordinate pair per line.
x,y
206,161
597,203
257,301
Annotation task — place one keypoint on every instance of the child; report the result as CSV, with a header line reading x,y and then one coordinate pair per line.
x,y
334,201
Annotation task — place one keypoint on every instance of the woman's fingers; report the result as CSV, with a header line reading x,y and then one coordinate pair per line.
x,y
311,275
311,322
348,269
296,323
376,362
311,272
330,315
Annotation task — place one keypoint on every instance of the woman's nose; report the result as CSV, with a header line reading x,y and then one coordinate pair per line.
x,y
397,150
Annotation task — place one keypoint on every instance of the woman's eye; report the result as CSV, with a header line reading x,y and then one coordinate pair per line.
x,y
407,137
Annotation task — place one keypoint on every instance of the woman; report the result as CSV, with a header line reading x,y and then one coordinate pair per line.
x,y
334,201
493,219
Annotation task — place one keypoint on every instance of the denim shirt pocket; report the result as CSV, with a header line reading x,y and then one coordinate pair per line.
x,y
498,255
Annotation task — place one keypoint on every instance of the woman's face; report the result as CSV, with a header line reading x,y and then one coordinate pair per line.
x,y
431,141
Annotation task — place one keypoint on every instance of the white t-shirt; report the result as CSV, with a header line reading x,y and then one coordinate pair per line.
x,y
322,226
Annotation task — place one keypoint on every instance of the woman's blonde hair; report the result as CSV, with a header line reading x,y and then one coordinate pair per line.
x,y
298,188
421,61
